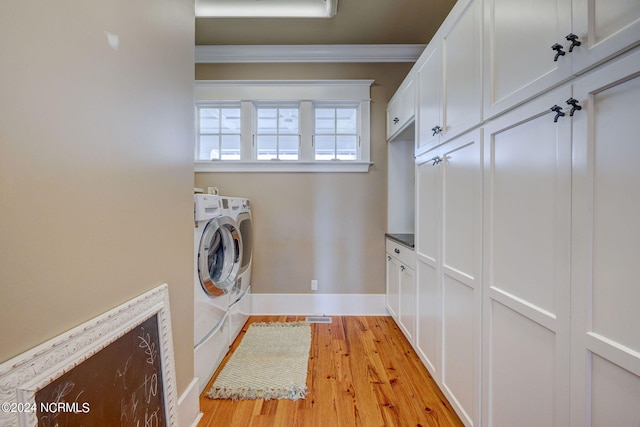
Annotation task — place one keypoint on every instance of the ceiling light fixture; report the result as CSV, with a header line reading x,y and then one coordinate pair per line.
x,y
266,8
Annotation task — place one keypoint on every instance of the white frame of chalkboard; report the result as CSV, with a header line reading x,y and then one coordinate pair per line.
x,y
25,374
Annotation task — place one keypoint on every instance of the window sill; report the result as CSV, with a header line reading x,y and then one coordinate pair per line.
x,y
281,166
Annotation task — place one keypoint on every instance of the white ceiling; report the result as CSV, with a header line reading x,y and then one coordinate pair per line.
x,y
356,22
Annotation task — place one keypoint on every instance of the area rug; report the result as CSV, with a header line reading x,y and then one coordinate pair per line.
x,y
269,363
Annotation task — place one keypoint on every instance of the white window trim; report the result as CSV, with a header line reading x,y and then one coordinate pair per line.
x,y
305,91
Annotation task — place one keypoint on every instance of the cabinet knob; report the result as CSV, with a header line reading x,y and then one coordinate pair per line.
x,y
559,113
574,106
396,250
559,52
388,257
396,120
574,41
436,160
436,130
402,268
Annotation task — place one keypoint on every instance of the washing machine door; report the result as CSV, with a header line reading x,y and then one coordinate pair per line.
x,y
219,256
244,225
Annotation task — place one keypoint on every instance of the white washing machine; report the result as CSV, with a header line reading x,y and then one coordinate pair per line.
x,y
240,304
217,253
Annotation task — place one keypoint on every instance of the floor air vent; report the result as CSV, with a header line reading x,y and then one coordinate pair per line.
x,y
318,319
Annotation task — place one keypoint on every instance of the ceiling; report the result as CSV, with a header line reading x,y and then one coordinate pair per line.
x,y
356,22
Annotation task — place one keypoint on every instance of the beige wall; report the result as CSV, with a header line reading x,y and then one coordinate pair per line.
x,y
324,226
96,152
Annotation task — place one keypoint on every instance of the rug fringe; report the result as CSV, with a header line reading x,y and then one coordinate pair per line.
x,y
280,324
294,393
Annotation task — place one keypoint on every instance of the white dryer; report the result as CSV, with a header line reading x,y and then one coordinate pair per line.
x,y
240,304
217,254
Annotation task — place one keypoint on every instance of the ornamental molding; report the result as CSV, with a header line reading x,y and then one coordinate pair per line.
x,y
307,53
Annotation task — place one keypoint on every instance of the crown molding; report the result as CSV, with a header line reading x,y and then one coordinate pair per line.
x,y
308,53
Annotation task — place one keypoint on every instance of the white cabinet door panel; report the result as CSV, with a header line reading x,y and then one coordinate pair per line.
x,y
530,208
462,57
615,393
393,286
616,212
427,206
407,318
460,353
604,28
429,105
522,370
461,199
606,244
461,273
428,336
519,60
527,264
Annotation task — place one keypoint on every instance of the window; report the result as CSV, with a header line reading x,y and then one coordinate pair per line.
x,y
218,133
277,133
336,133
287,126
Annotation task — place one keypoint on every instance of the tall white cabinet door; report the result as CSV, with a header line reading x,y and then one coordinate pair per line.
x,y
428,335
393,286
526,284
606,246
461,280
603,27
462,68
429,105
519,59
407,319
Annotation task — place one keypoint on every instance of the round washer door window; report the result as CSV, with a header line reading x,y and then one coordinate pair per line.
x,y
217,259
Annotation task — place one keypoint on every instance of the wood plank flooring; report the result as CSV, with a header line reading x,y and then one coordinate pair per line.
x,y
362,372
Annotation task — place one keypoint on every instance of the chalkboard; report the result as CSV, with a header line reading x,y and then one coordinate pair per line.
x,y
120,385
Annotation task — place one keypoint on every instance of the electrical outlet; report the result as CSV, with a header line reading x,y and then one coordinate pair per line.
x,y
314,285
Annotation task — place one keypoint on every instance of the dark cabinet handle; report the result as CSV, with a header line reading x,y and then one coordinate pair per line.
x,y
402,268
388,258
559,52
436,130
396,250
436,160
574,41
574,106
558,110
395,121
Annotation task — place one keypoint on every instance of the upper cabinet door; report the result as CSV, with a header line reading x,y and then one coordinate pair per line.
x,y
462,62
520,59
401,109
450,78
429,114
603,28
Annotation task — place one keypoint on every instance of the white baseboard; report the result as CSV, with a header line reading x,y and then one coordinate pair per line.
x,y
318,304
189,406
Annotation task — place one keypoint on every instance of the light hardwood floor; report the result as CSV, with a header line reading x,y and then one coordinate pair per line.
x,y
362,372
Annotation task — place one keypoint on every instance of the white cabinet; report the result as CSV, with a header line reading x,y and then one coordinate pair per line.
x,y
527,235
526,222
401,108
393,286
449,78
449,265
529,46
606,244
561,238
401,287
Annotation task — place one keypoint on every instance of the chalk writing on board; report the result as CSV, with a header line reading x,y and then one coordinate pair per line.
x,y
121,385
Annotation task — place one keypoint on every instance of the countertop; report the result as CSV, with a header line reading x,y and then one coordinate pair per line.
x,y
404,239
